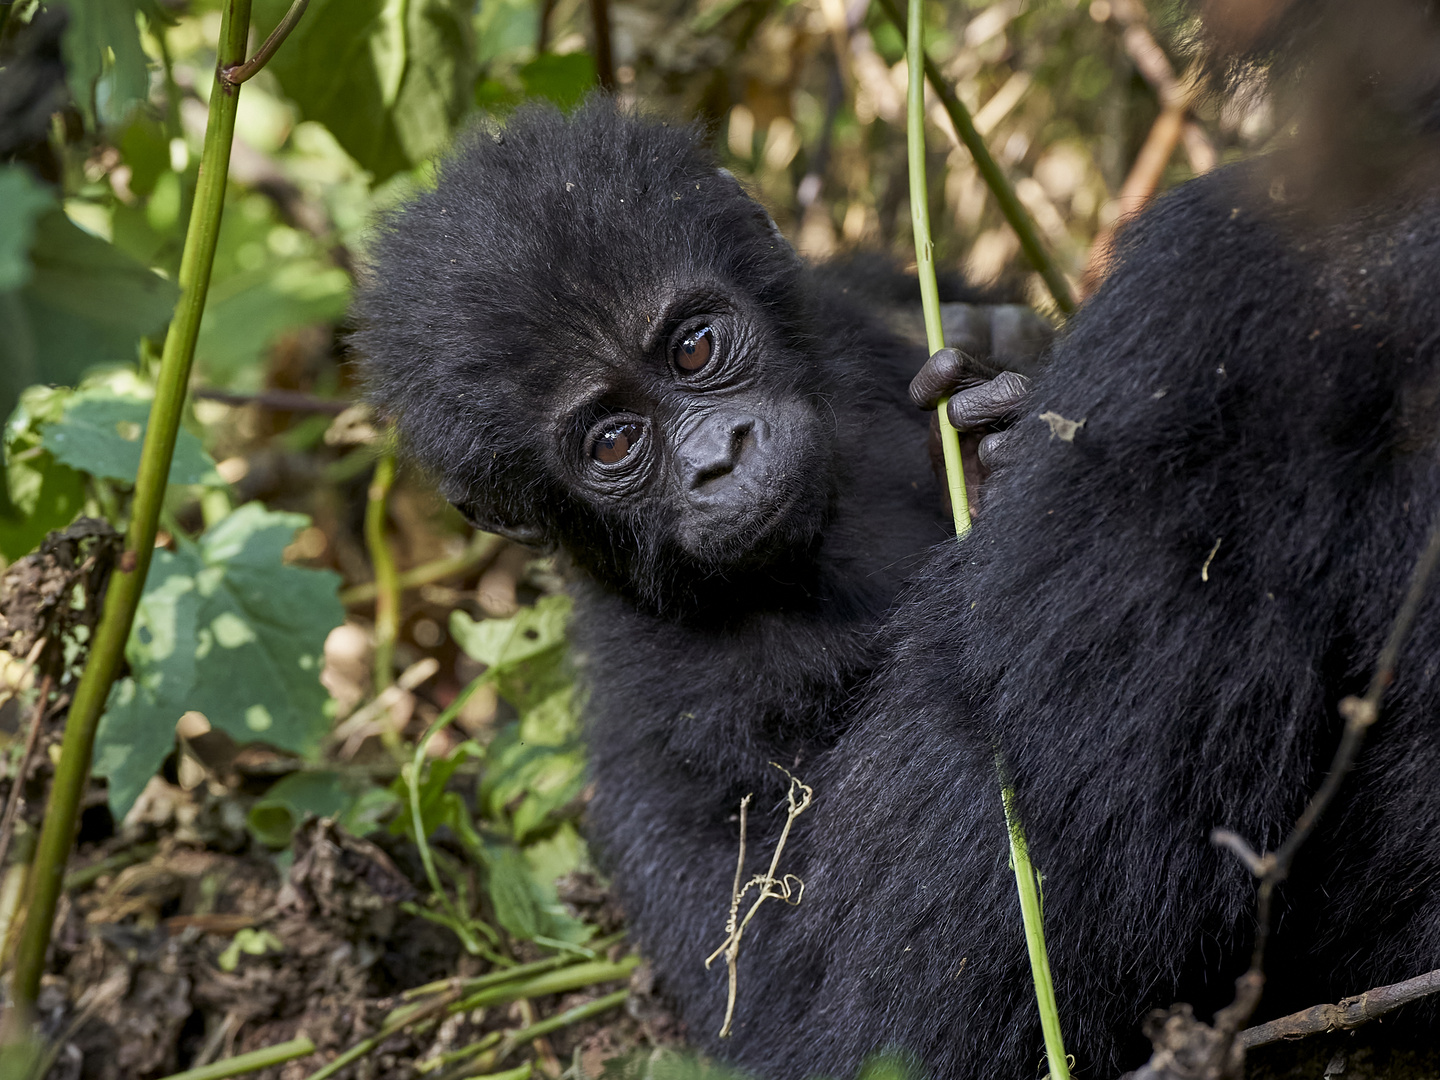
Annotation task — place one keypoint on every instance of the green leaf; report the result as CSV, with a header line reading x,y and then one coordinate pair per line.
x,y
565,80
526,906
389,78
22,199
47,494
276,814
87,303
503,644
248,311
101,435
227,629
107,67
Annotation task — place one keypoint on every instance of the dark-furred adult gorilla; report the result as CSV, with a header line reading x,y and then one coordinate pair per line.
x,y
596,340
1154,624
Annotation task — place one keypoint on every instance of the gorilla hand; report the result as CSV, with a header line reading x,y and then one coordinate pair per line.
x,y
986,376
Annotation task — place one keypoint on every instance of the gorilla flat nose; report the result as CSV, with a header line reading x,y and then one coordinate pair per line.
x,y
714,449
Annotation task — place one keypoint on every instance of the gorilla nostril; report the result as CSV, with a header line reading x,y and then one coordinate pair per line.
x,y
738,434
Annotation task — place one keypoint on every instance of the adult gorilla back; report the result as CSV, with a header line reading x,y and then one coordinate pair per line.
x,y
1153,624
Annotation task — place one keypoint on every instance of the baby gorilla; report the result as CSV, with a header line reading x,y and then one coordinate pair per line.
x,y
598,342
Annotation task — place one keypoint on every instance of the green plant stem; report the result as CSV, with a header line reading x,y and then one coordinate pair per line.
x,y
254,1061
123,595
461,922
493,1054
925,263
1032,914
520,971
387,579
360,1049
481,547
575,977
1025,879
990,172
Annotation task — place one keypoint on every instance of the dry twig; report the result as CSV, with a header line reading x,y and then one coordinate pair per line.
x,y
788,888
1349,1013
1274,867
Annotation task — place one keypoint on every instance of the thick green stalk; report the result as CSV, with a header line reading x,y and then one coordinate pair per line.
x,y
990,172
254,1061
925,261
1025,878
128,580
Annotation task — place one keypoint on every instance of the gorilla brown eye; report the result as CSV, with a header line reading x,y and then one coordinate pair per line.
x,y
695,350
613,442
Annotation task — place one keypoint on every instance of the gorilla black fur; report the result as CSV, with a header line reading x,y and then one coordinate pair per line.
x,y
1153,623
514,304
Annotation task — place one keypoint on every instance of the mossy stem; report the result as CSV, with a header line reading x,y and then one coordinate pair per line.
x,y
1025,878
387,578
128,581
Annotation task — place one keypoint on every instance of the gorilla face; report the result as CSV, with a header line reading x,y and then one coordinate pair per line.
x,y
597,340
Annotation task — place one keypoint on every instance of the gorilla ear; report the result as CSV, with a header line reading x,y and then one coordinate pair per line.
x,y
760,210
527,533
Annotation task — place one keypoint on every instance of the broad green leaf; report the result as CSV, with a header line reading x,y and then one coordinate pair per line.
x,y
565,80
87,304
227,629
22,200
389,78
248,311
47,494
276,814
526,906
504,28
534,779
108,69
501,644
101,434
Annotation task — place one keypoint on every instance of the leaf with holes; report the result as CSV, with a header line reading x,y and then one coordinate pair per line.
x,y
101,434
225,628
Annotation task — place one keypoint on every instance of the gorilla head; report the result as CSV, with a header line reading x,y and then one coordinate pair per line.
x,y
597,340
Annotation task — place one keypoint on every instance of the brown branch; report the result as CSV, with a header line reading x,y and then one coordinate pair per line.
x,y
1138,189
1360,715
604,63
279,400
32,739
1351,1012
1171,127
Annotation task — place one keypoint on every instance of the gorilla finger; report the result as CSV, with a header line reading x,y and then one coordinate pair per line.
x,y
997,448
942,375
993,402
